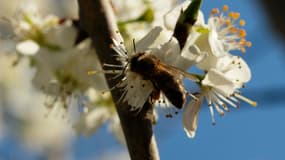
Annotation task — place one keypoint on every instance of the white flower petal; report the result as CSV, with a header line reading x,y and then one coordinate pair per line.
x,y
137,90
193,53
91,121
148,39
208,62
219,81
191,50
234,68
241,72
172,16
168,52
190,116
200,20
27,47
216,45
128,9
63,36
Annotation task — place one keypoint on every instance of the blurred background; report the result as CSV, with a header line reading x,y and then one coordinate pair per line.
x,y
246,133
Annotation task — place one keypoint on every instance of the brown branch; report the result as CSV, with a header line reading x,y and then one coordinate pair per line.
x,y
96,17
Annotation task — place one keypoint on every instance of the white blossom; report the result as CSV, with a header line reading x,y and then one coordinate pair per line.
x,y
98,111
208,47
126,10
25,106
61,68
139,22
220,87
215,39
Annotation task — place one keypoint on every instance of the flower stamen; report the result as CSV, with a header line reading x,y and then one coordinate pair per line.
x,y
215,11
229,33
225,8
251,102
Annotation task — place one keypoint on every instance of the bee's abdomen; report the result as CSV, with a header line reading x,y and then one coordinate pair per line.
x,y
171,87
175,96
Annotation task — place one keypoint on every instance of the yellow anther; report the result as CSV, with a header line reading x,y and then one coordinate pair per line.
x,y
242,40
228,22
243,50
242,22
215,11
242,33
233,30
234,15
248,44
225,8
231,14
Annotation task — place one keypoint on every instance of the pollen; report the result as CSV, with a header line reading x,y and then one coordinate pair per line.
x,y
248,44
242,22
242,41
234,15
233,30
242,33
228,22
215,11
225,8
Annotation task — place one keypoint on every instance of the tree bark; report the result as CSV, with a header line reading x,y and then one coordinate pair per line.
x,y
97,19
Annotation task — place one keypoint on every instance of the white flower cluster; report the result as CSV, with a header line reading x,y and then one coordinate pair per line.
x,y
208,47
153,69
59,66
60,69
137,18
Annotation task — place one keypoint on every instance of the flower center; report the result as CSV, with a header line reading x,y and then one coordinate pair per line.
x,y
225,24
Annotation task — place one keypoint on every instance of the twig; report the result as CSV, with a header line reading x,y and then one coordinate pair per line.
x,y
96,17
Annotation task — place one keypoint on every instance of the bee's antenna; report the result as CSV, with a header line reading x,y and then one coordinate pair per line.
x,y
135,50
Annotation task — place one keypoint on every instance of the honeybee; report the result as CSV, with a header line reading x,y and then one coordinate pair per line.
x,y
165,78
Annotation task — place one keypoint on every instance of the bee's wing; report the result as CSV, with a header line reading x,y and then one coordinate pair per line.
x,y
177,71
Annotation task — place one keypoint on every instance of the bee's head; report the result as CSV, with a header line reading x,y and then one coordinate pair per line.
x,y
143,63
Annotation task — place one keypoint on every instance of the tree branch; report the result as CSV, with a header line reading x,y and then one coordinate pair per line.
x,y
97,19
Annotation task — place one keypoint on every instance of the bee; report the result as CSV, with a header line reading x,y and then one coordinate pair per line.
x,y
165,78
